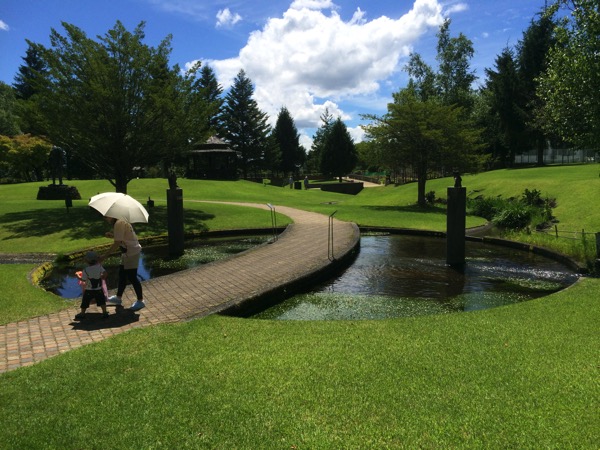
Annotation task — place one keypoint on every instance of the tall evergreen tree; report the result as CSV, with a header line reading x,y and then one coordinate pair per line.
x,y
338,155
8,111
246,126
30,71
288,141
316,150
212,93
26,85
532,54
504,95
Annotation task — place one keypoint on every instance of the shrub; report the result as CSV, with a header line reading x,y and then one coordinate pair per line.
x,y
430,197
486,207
532,198
515,216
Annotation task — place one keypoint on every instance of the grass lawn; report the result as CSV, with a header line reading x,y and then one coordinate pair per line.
x,y
522,376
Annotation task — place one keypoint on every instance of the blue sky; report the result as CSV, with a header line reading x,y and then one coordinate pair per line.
x,y
306,55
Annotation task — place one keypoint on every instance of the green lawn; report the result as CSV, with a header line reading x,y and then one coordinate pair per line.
x,y
522,376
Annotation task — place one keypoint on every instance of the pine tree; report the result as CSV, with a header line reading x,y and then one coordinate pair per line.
x,y
8,111
314,155
29,73
288,141
212,93
532,54
246,127
505,105
339,155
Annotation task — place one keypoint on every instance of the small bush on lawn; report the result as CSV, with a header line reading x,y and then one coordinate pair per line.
x,y
514,216
531,210
430,197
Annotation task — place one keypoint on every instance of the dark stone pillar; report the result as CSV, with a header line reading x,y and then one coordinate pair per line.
x,y
175,221
455,225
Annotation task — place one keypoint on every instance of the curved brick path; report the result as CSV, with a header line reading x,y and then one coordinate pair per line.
x,y
301,250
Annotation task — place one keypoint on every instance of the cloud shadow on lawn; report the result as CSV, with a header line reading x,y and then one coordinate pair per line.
x,y
86,223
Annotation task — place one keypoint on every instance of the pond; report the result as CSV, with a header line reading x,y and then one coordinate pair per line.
x,y
401,276
154,262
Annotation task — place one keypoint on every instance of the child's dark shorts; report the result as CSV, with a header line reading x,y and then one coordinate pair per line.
x,y
96,294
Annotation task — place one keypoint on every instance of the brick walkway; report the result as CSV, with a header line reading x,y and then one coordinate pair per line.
x,y
301,250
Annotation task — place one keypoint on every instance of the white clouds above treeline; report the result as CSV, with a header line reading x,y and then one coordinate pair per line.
x,y
310,59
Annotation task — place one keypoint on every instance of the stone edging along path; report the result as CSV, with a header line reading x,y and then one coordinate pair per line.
x,y
303,252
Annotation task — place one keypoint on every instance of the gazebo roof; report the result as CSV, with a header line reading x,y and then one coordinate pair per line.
x,y
212,143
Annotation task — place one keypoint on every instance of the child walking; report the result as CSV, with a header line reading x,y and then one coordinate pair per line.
x,y
91,278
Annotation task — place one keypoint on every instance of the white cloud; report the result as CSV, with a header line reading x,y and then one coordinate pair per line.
x,y
310,59
312,4
4,26
456,8
225,18
189,8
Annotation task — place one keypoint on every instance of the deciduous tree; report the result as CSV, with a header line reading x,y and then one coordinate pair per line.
x,y
425,135
570,88
115,102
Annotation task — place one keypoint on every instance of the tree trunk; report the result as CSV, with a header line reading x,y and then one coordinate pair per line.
x,y
121,184
421,180
540,150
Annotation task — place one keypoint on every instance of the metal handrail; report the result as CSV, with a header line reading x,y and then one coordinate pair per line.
x,y
330,255
273,222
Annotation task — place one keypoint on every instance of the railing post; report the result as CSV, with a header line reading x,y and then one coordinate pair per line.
x,y
273,222
330,237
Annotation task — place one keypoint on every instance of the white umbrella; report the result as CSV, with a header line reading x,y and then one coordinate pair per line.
x,y
119,206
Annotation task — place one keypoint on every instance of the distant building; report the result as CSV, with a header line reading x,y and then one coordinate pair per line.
x,y
213,160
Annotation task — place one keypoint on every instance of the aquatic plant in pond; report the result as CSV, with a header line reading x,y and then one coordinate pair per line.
x,y
400,276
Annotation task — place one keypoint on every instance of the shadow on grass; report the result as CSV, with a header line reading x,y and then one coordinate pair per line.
x,y
95,321
87,223
409,209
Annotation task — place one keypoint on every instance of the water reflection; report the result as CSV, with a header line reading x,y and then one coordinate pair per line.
x,y
397,276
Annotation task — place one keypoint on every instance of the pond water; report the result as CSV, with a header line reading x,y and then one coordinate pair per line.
x,y
154,262
401,276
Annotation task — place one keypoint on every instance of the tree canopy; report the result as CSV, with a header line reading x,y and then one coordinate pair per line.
x,y
570,87
428,126
9,125
114,103
425,135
